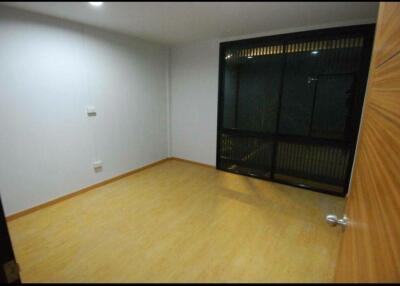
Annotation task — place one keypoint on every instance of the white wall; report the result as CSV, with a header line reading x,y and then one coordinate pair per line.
x,y
194,100
194,94
50,70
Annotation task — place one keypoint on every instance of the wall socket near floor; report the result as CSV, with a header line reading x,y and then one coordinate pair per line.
x,y
97,165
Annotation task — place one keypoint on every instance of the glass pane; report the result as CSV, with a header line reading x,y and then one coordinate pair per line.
x,y
252,80
230,90
313,165
245,154
332,106
259,82
298,93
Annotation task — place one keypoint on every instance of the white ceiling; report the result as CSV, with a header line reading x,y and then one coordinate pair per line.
x,y
180,22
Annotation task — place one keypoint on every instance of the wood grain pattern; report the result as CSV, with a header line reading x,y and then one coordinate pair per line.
x,y
370,250
387,34
82,191
181,222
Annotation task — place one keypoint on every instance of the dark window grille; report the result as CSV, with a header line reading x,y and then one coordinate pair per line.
x,y
290,106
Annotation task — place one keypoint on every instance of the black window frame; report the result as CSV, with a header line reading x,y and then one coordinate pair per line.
x,y
366,31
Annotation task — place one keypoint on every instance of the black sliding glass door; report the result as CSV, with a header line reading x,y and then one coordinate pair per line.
x,y
290,105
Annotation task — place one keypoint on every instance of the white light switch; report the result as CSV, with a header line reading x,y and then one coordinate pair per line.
x,y
97,164
91,110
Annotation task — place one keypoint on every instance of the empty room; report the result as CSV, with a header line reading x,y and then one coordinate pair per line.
x,y
199,142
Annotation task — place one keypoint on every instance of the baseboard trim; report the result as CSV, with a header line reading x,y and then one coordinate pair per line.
x,y
82,191
192,162
89,188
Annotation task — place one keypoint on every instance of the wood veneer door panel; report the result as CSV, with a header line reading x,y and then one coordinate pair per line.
x,y
387,37
370,250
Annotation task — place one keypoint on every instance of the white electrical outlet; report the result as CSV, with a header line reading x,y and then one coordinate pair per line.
x,y
91,110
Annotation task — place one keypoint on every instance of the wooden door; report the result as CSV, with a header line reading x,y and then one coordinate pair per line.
x,y
370,250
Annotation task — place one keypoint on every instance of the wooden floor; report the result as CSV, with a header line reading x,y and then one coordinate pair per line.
x,y
181,222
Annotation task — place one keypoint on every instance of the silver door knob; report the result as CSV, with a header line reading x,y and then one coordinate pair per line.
x,y
334,221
